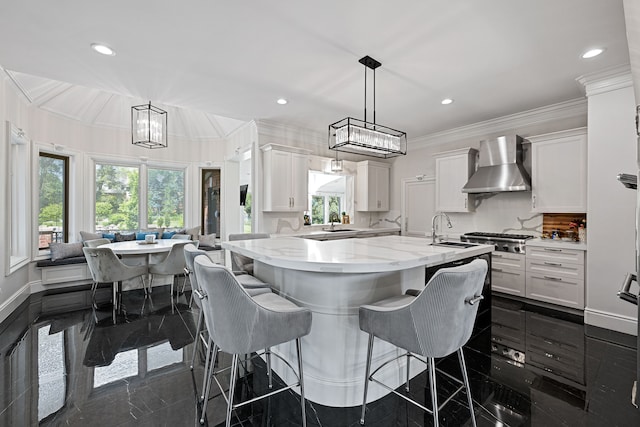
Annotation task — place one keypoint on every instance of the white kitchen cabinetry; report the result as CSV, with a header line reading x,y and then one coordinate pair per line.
x,y
559,171
555,275
453,169
508,273
372,186
286,171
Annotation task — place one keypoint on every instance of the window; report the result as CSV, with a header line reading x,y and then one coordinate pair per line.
x,y
210,210
165,198
117,193
122,203
18,198
327,197
53,217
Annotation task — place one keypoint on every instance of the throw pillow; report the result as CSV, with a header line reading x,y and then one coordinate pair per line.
x,y
85,235
110,236
193,232
140,235
168,234
124,237
65,250
207,240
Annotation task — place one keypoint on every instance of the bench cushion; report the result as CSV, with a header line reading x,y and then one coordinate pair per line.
x,y
65,250
64,261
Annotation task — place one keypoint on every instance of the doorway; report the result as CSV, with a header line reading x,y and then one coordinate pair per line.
x,y
210,209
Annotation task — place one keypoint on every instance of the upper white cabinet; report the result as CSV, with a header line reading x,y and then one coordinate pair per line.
x,y
372,186
559,171
453,169
286,171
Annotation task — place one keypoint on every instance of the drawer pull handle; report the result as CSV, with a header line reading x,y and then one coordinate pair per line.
x,y
553,278
497,255
499,270
555,264
553,250
549,355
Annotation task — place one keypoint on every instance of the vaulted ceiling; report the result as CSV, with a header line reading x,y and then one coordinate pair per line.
x,y
215,65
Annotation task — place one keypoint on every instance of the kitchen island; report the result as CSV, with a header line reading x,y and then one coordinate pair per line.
x,y
333,279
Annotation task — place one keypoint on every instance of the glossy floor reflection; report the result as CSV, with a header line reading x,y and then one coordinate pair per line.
x,y
78,368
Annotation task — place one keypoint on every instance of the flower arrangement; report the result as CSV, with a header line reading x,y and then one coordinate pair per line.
x,y
578,223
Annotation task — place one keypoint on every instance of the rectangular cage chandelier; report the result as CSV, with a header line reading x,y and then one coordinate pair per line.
x,y
356,136
148,126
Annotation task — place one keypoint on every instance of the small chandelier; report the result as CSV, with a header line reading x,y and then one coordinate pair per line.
x,y
148,126
336,165
367,138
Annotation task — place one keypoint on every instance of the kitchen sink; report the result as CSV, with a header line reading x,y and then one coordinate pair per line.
x,y
335,230
455,244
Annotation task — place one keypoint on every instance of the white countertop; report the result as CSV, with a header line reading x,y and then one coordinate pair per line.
x,y
561,244
317,232
374,254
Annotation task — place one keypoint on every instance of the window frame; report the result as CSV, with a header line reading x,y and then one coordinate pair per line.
x,y
65,205
143,165
17,251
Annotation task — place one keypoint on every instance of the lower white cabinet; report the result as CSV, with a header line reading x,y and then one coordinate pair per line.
x,y
555,275
508,273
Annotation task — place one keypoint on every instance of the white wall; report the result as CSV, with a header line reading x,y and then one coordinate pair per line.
x,y
611,207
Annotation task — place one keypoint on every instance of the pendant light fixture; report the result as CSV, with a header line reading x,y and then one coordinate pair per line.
x,y
367,138
336,165
148,126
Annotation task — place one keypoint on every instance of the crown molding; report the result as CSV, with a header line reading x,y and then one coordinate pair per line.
x,y
607,80
563,110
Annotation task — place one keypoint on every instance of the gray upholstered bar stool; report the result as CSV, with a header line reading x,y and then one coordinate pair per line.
x,y
240,324
435,323
241,263
190,253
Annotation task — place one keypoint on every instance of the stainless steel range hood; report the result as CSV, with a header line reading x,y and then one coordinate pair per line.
x,y
500,167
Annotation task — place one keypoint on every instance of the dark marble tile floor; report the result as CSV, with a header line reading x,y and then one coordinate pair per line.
x,y
73,366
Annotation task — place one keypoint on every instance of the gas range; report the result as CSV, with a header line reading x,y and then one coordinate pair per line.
x,y
503,242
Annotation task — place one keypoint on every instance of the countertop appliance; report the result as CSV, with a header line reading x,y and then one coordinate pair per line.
x,y
502,242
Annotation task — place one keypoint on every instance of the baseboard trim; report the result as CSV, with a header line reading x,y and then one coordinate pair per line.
x,y
615,322
14,301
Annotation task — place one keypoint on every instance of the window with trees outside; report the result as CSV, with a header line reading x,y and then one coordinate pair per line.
x,y
165,198
53,218
118,196
326,197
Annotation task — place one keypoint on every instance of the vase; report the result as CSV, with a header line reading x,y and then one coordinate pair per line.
x,y
582,235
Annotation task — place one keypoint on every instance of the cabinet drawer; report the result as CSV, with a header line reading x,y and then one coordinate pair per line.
x,y
555,254
507,260
555,269
556,290
557,332
507,280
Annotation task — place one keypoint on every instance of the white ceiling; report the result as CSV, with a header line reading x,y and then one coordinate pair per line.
x,y
212,60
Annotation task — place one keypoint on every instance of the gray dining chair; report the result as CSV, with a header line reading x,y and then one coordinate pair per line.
x,y
106,267
173,264
190,253
96,242
435,323
240,324
241,263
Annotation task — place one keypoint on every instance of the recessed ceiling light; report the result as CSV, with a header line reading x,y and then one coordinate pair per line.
x,y
591,53
446,101
282,101
103,49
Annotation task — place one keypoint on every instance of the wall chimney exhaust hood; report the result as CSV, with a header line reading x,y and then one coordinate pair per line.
x,y
500,167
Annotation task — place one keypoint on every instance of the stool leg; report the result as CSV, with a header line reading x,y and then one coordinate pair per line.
x,y
434,393
406,386
302,401
197,341
463,367
208,380
366,377
206,368
267,353
232,386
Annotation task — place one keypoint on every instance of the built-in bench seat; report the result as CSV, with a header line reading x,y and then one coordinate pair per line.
x,y
64,261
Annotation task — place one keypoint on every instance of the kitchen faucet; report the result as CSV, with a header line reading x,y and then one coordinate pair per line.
x,y
333,217
433,225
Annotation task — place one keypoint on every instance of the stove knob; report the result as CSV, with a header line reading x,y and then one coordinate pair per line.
x,y
497,247
517,249
505,248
